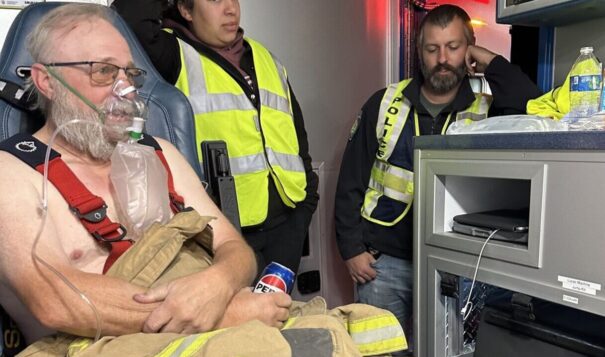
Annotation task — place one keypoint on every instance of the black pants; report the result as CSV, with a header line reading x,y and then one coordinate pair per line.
x,y
283,243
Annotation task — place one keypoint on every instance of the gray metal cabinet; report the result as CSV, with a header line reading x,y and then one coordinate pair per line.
x,y
547,12
560,177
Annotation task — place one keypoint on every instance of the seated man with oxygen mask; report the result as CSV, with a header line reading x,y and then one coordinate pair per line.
x,y
83,62
96,252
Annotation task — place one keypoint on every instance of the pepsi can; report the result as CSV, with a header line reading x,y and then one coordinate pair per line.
x,y
275,278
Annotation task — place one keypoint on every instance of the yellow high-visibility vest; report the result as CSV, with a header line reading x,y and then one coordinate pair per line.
x,y
259,143
390,191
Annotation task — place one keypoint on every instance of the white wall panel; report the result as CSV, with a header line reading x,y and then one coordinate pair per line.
x,y
337,52
568,41
6,19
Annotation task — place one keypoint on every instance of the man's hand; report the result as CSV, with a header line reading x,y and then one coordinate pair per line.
x,y
360,269
191,304
477,59
269,308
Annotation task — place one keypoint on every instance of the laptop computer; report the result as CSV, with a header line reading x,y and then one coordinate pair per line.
x,y
513,225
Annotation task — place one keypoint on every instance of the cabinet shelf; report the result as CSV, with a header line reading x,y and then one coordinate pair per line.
x,y
548,12
558,176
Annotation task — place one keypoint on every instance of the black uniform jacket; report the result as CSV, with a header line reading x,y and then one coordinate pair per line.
x,y
511,90
144,17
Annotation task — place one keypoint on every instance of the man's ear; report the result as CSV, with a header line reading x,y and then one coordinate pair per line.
x,y
185,12
41,79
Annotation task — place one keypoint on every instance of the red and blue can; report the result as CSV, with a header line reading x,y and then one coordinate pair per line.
x,y
275,278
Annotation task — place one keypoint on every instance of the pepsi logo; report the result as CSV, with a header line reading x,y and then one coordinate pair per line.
x,y
270,283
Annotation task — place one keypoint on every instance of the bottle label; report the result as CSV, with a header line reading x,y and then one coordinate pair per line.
x,y
602,101
585,83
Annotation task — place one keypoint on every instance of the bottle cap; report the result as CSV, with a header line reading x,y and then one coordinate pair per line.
x,y
585,50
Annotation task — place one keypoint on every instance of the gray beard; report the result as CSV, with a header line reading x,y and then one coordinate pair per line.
x,y
442,84
90,136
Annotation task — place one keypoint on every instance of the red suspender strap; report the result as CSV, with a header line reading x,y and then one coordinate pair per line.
x,y
177,203
90,209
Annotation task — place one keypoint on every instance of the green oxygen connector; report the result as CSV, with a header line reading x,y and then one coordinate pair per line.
x,y
136,130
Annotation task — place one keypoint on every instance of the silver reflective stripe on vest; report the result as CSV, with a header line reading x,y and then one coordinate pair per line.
x,y
379,334
247,164
382,112
404,179
480,85
274,101
281,70
219,102
479,109
404,110
286,161
195,74
470,115
202,102
187,341
369,205
255,163
309,342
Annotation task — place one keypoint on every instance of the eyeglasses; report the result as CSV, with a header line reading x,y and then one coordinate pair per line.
x,y
104,73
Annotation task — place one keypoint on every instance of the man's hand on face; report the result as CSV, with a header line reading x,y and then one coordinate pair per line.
x,y
360,269
477,59
192,304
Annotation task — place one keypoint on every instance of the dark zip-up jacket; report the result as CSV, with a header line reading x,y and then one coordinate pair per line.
x,y
144,17
511,89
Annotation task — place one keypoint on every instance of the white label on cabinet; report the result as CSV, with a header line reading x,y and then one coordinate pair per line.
x,y
579,288
571,299
582,286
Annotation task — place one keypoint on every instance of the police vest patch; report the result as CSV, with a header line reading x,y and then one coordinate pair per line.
x,y
355,126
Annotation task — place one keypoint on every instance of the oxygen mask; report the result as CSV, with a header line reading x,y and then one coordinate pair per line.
x,y
117,111
120,108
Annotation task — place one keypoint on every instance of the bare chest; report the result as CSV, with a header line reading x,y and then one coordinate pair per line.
x,y
80,247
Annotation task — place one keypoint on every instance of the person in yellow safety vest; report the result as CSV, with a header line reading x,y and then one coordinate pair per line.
x,y
240,94
183,288
376,182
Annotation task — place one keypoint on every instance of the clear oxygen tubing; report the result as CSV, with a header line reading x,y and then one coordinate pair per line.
x,y
44,207
44,203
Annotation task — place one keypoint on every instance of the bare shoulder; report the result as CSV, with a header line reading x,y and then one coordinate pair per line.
x,y
186,181
20,188
175,159
169,148
15,176
166,145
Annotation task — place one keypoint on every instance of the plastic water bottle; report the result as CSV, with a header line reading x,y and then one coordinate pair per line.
x,y
139,179
602,102
585,84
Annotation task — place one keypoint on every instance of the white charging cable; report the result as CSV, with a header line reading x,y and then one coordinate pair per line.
x,y
468,307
